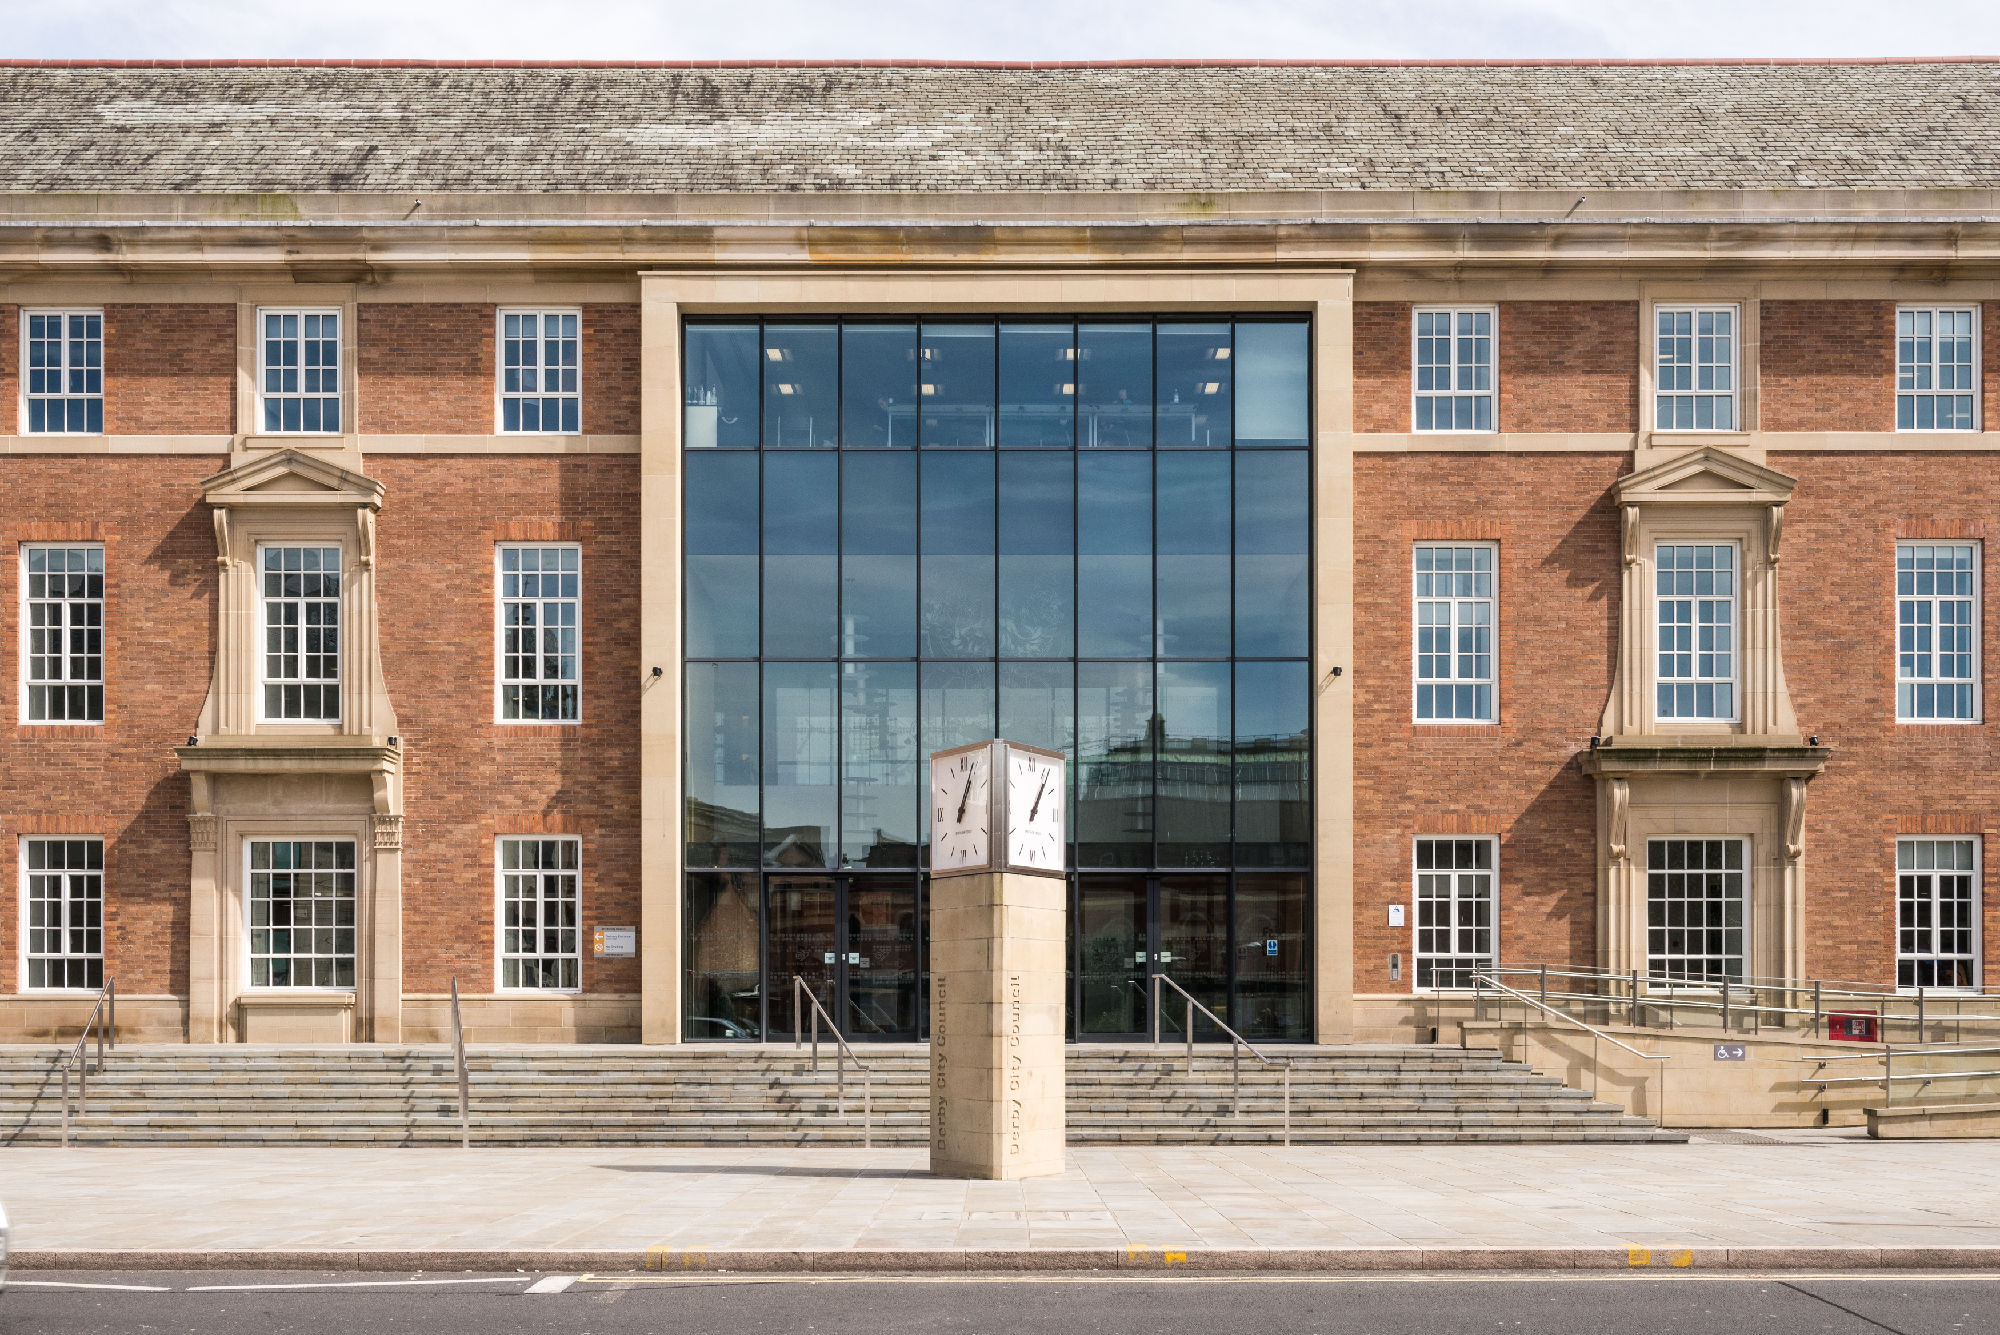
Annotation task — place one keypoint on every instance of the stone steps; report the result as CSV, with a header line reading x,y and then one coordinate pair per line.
x,y
770,1096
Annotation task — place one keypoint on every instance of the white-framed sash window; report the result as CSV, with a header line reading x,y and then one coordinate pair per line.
x,y
1457,909
299,371
301,897
1453,384
62,913
1937,632
1453,634
1695,368
1937,913
541,939
541,608
301,662
62,372
1697,653
1697,910
62,606
1937,368
540,372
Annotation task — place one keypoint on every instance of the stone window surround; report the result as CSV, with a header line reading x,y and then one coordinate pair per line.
x,y
337,297
1653,296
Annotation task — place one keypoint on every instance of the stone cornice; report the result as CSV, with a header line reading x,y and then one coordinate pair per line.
x,y
1779,757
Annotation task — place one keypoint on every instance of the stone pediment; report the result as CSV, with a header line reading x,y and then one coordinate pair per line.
x,y
1706,476
291,477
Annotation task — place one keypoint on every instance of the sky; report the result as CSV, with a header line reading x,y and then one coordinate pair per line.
x,y
992,29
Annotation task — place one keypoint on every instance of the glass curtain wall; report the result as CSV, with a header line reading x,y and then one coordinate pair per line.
x,y
905,535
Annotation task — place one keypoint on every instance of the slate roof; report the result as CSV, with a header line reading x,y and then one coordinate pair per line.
x,y
789,129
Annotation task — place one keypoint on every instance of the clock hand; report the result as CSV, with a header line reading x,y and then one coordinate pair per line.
x,y
963,798
1038,798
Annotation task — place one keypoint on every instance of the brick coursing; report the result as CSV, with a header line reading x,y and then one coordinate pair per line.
x,y
1837,600
120,780
1569,366
610,355
469,779
424,368
1559,573
1826,365
169,369
1382,366
430,368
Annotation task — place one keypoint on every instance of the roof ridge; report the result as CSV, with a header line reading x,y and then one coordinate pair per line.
x,y
287,62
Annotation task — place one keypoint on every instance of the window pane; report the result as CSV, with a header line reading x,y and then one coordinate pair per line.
x,y
1037,544
957,385
722,764
1274,957
800,386
878,758
801,594
878,372
722,593
1192,500
1271,383
1115,555
1037,385
878,569
1194,784
801,780
1272,507
721,386
958,540
1114,386
1273,816
1194,391
723,996
1114,816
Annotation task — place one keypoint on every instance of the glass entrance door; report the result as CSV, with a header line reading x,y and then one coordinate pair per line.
x,y
854,941
1131,927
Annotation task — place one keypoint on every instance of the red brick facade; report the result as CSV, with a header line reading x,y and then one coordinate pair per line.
x,y
120,779
1885,778
1558,590
1826,365
169,369
429,369
1382,366
1569,366
468,778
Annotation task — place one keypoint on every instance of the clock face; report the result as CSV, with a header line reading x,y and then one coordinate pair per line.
x,y
1036,804
961,810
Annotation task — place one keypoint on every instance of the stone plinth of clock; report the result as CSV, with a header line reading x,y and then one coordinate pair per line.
x,y
999,906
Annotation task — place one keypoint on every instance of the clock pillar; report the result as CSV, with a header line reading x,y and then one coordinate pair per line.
x,y
998,935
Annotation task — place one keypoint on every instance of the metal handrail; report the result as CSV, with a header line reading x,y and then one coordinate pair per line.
x,y
1236,1044
107,1007
1480,979
842,1055
1887,1056
1741,996
458,1061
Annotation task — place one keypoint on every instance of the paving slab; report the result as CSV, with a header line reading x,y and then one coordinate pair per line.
x,y
1833,1199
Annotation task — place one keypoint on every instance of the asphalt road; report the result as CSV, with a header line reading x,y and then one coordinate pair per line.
x,y
293,1303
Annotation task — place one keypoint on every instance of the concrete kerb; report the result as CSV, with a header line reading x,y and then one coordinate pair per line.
x,y
695,1261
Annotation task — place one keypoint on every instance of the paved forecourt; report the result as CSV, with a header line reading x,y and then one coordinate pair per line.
x,y
1815,1199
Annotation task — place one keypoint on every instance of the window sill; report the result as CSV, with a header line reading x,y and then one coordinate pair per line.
x,y
530,993
1942,724
59,993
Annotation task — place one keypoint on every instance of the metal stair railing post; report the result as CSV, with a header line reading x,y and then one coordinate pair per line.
x,y
1236,1043
102,1015
1596,1035
458,1063
842,1055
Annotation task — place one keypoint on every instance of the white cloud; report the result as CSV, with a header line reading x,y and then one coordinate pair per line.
x,y
995,29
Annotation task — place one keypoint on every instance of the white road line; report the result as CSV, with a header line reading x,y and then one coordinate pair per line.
x,y
355,1284
552,1284
66,1284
